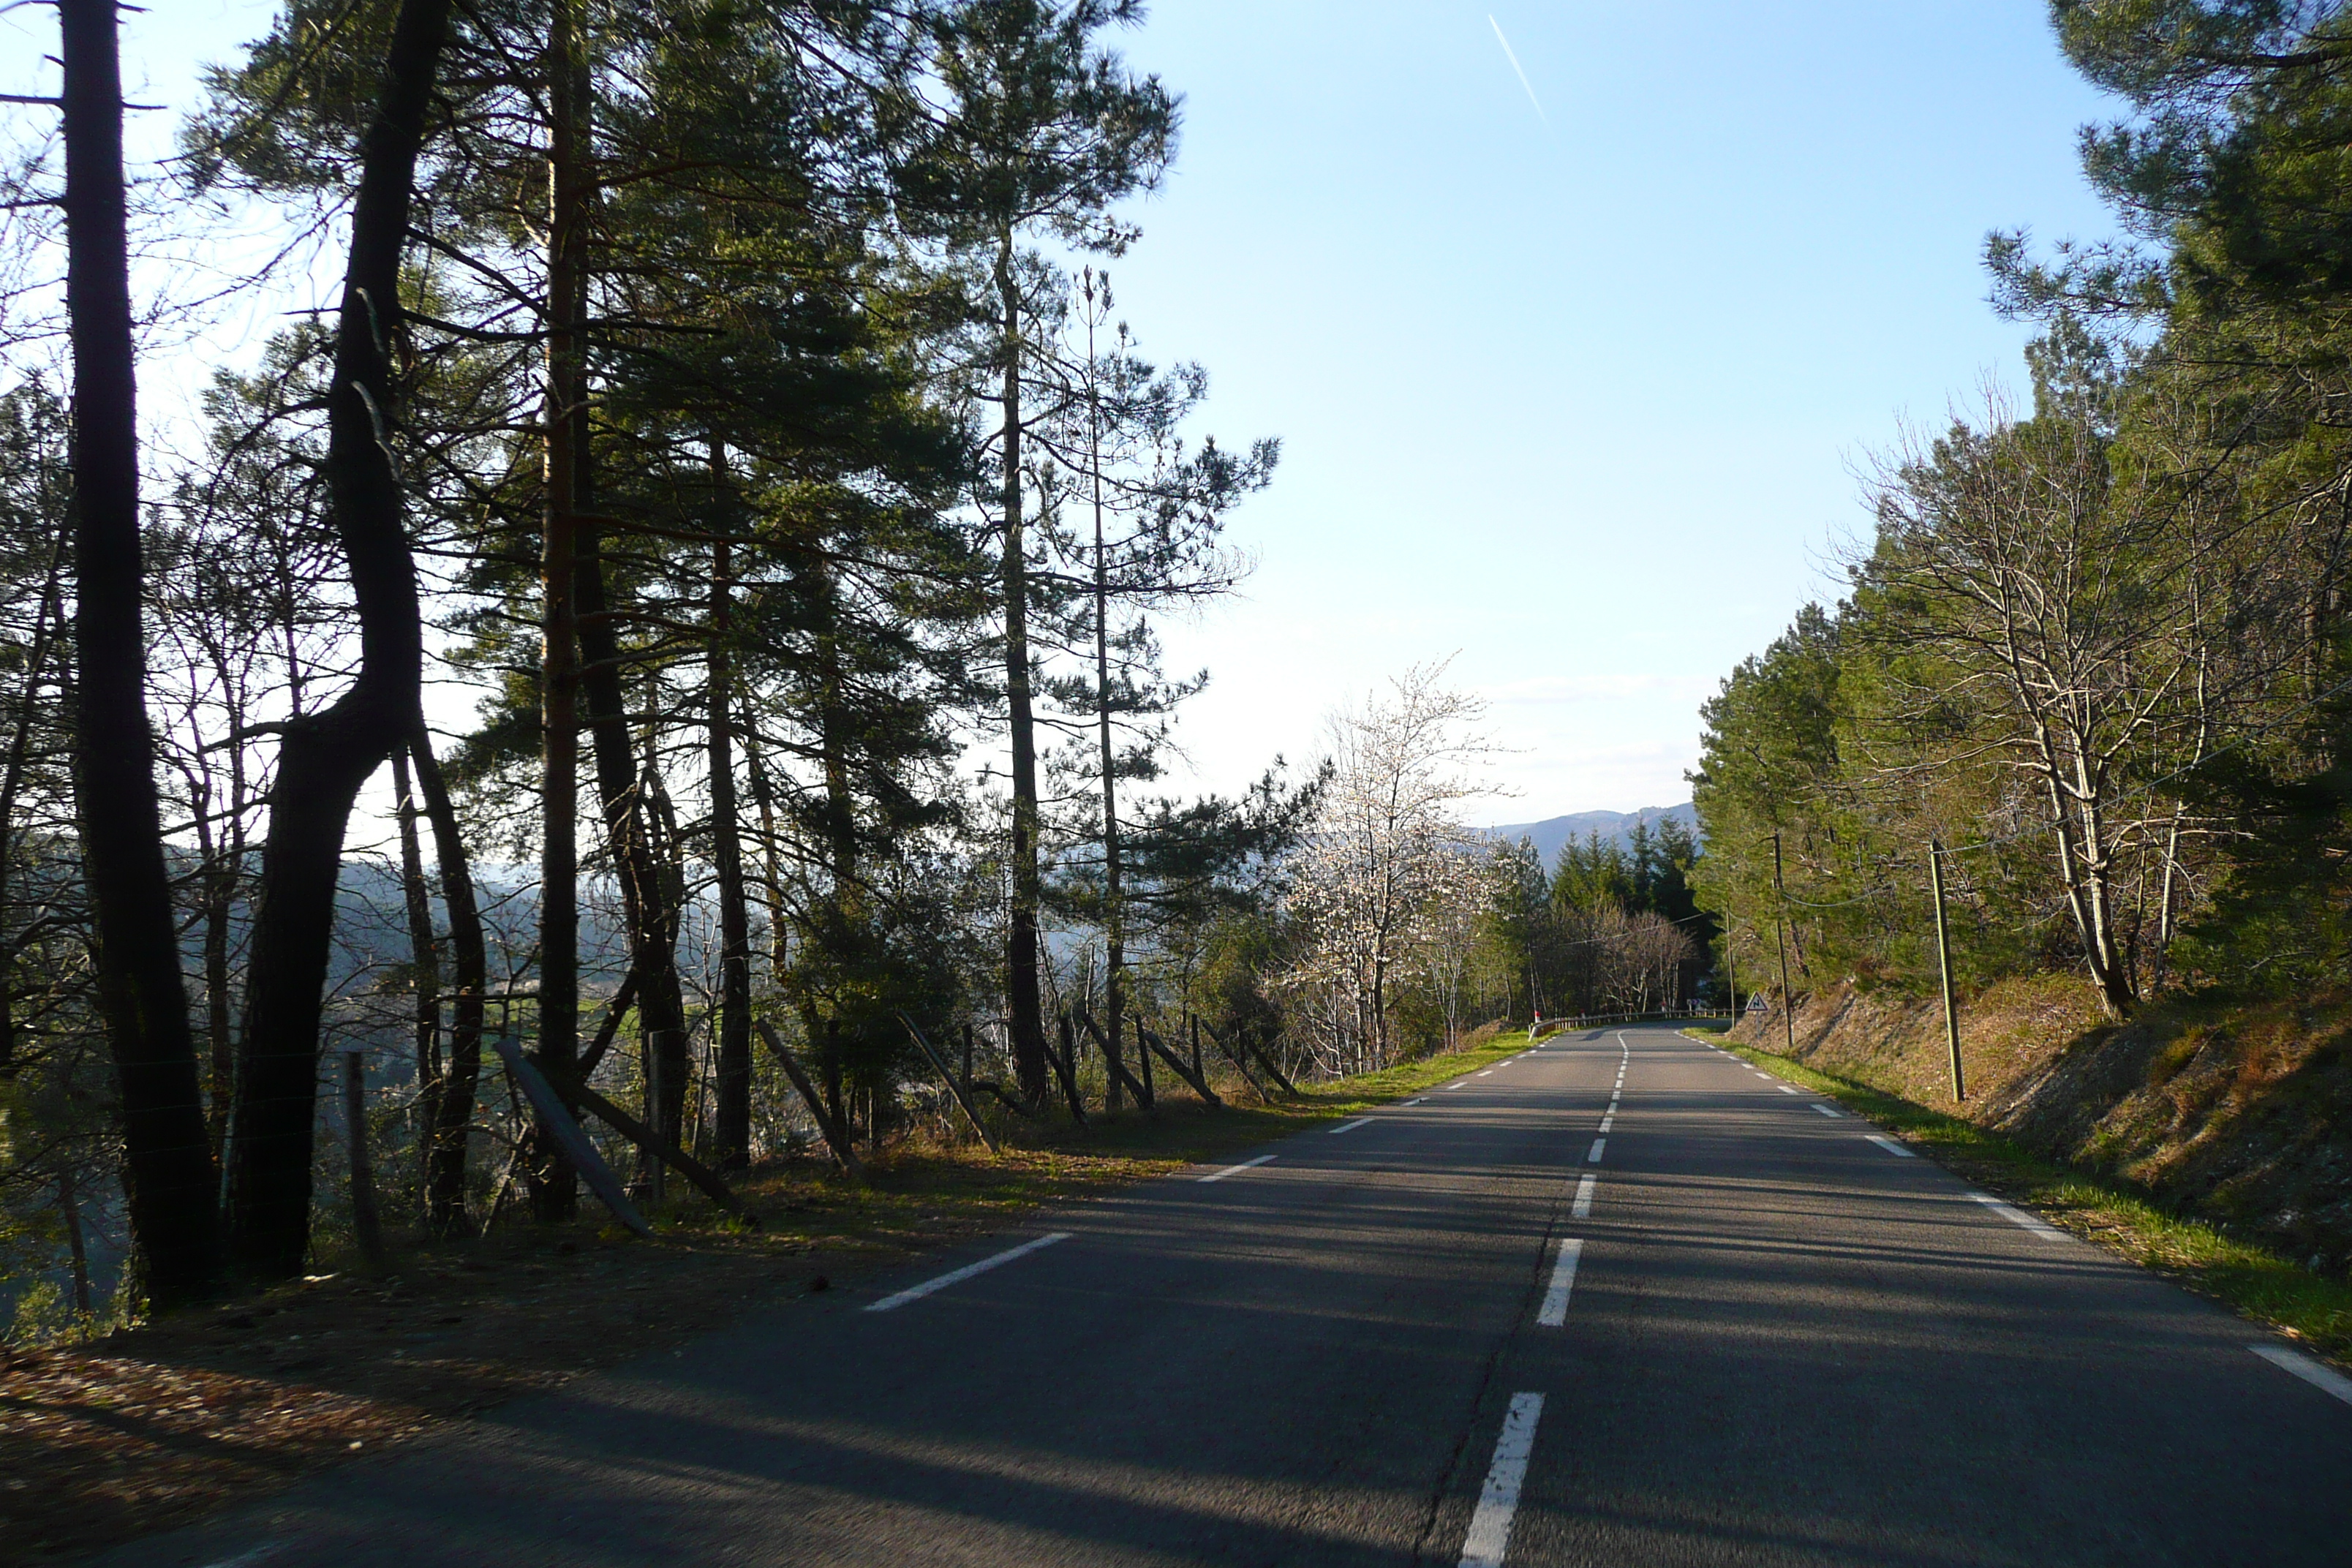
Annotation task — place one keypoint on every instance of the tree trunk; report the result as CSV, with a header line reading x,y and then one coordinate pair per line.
x,y
843,926
554,1186
20,747
771,872
1113,906
168,1172
644,892
469,964
734,1055
425,950
326,756
76,1247
1022,934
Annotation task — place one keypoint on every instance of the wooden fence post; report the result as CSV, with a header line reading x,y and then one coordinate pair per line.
x,y
366,1228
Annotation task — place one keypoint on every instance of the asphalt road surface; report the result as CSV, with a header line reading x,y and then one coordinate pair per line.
x,y
1620,1300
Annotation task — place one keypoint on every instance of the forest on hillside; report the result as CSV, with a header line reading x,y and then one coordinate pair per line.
x,y
2093,664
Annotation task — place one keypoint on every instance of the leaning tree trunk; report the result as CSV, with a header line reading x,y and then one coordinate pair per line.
x,y
325,756
168,1172
453,1103
645,891
1021,936
425,949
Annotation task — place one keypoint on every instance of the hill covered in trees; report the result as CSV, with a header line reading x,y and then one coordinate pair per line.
x,y
1554,832
2094,657
2091,676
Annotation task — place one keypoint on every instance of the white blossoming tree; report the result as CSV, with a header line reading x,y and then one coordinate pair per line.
x,y
1384,878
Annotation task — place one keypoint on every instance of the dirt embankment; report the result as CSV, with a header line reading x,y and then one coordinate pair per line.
x,y
2238,1114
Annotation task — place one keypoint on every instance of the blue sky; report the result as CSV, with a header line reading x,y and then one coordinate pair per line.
x,y
1579,403
1584,402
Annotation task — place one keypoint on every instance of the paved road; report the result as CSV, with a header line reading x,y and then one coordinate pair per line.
x,y
1500,1324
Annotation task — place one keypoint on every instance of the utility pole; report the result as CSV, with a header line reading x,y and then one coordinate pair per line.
x,y
1788,1002
1730,974
1943,962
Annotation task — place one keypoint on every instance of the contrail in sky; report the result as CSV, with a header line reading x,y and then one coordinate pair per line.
x,y
1512,56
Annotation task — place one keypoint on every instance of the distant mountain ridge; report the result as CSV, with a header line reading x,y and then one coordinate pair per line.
x,y
1614,827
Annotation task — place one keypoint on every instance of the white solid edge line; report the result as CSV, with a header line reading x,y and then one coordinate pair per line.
x,y
1554,1312
2019,1218
1890,1145
261,1554
1584,1197
1826,1110
1231,1170
1349,1126
1593,1158
2320,1376
1490,1522
917,1292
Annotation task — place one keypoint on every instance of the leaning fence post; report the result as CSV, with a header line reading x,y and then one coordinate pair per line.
x,y
1944,963
569,1136
365,1227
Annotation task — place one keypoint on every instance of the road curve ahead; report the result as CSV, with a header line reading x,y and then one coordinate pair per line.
x,y
1621,1299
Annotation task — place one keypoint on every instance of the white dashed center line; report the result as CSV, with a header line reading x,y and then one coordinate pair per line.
x,y
1605,1121
1490,1524
254,1558
1583,1209
1236,1169
917,1292
1350,1126
1554,1311
1786,1090
2019,1218
1890,1145
1417,1102
1824,1110
1593,1157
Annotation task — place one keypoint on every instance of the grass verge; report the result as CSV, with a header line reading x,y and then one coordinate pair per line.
x,y
2255,1281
